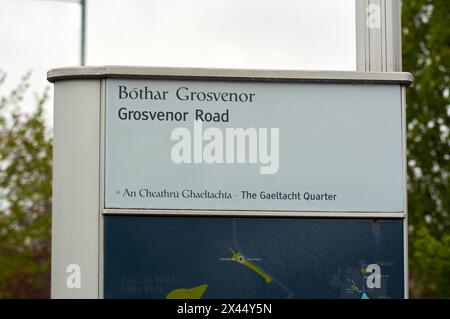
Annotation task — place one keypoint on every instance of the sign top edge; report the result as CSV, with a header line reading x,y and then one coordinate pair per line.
x,y
223,74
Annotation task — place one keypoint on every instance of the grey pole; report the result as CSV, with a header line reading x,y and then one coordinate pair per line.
x,y
378,35
83,33
379,49
83,28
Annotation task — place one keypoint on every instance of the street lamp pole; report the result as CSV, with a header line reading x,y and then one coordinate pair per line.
x,y
83,28
83,33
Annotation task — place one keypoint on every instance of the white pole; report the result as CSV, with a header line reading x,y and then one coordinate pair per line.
x,y
378,35
379,49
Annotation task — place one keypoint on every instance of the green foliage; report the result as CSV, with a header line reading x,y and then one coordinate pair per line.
x,y
25,196
426,53
433,263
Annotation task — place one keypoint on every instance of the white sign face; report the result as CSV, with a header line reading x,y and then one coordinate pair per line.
x,y
261,146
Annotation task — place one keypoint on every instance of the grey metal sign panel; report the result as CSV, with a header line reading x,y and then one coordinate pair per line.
x,y
233,145
198,257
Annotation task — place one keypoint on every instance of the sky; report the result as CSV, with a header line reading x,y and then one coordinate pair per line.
x,y
39,35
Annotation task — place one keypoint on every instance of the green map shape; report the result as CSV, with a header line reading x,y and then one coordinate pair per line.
x,y
187,293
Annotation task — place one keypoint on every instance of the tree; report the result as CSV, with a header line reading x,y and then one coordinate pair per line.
x,y
25,196
426,53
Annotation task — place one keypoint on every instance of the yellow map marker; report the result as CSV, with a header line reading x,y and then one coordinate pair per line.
x,y
187,293
237,257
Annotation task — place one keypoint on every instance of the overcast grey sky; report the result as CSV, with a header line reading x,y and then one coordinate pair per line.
x,y
284,34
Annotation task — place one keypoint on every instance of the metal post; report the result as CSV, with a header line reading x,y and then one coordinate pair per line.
x,y
83,28
378,35
83,33
379,49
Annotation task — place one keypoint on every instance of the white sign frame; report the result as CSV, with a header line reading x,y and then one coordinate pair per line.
x,y
78,180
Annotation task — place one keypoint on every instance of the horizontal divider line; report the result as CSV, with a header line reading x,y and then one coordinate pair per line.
x,y
238,213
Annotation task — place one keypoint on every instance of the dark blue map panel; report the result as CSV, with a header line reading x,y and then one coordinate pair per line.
x,y
208,257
